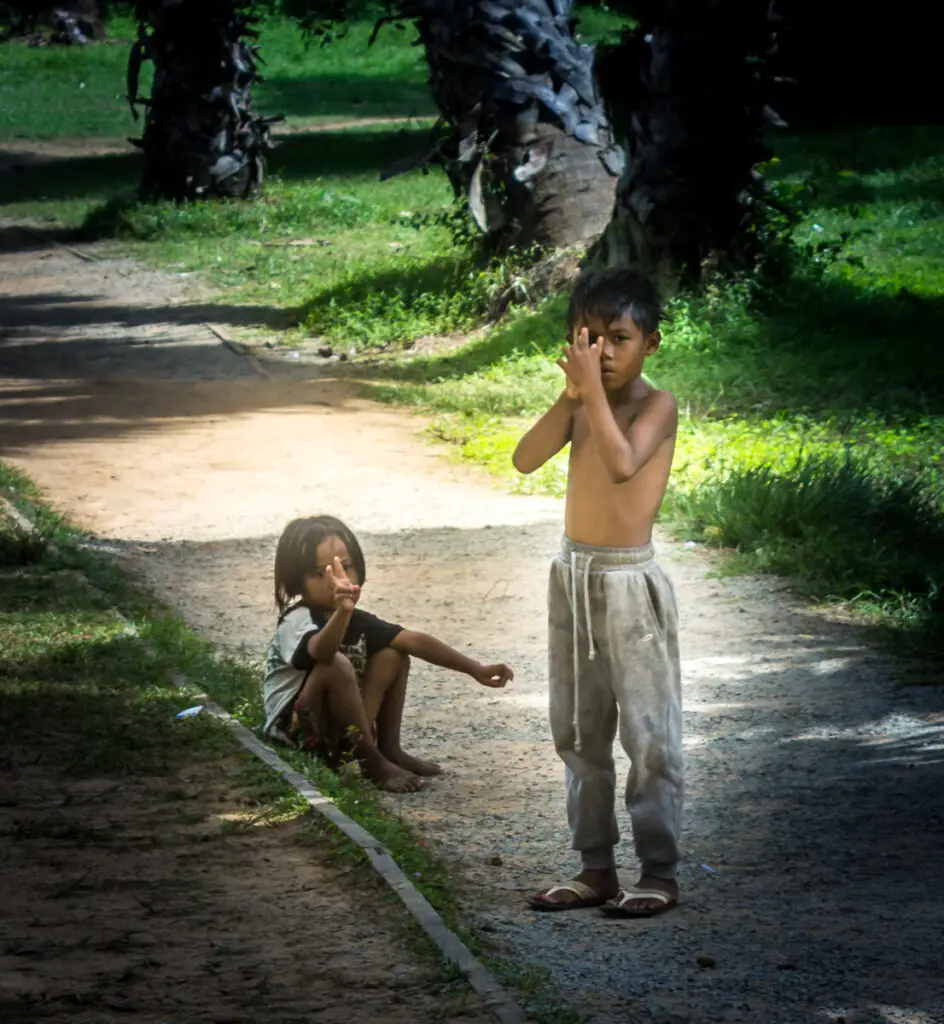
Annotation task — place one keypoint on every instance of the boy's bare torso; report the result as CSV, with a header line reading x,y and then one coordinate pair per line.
x,y
607,514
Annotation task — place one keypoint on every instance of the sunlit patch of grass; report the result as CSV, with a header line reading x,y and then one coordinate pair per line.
x,y
80,91
812,424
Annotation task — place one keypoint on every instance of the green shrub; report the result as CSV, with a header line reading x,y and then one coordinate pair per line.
x,y
441,290
838,524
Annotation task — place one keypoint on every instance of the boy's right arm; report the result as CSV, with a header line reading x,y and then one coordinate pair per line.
x,y
546,438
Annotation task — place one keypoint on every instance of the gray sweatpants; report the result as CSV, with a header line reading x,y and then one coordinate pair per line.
x,y
614,657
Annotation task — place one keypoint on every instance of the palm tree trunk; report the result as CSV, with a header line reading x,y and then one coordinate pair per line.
x,y
691,119
529,141
201,137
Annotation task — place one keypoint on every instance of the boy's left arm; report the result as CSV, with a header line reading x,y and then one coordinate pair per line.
x,y
428,648
625,453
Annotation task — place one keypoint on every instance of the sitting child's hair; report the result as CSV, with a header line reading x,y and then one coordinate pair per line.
x,y
609,294
297,550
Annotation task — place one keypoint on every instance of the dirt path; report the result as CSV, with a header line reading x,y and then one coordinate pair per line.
x,y
19,155
815,782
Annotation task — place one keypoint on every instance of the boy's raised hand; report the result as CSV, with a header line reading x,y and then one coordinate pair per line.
x,y
344,593
581,364
495,676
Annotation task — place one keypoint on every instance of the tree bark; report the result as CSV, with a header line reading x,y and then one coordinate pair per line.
x,y
684,91
529,141
201,137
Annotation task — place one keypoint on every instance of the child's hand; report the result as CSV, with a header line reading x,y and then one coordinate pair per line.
x,y
344,593
581,364
495,676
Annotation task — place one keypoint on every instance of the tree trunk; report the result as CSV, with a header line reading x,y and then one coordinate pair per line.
x,y
691,119
201,138
530,143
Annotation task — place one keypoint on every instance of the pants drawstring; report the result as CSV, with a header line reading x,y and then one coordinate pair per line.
x,y
591,652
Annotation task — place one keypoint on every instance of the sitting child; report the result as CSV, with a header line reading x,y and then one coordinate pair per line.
x,y
337,674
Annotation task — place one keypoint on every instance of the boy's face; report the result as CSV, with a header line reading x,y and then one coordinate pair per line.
x,y
624,348
317,585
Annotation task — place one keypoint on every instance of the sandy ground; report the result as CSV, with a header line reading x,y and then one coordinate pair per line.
x,y
815,808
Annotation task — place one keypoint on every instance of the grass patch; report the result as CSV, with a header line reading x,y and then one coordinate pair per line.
x,y
347,258
325,226
80,91
344,257
20,546
843,527
106,704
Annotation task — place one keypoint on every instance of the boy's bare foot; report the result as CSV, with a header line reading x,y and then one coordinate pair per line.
x,y
416,765
647,898
588,889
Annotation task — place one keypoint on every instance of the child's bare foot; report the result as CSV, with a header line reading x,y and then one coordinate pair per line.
x,y
648,897
392,778
588,889
416,765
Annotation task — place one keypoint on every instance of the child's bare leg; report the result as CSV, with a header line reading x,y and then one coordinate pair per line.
x,y
385,681
336,684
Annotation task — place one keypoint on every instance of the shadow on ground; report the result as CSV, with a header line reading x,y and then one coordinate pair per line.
x,y
51,310
297,157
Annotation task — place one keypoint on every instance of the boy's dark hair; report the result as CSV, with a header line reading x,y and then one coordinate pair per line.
x,y
609,294
297,550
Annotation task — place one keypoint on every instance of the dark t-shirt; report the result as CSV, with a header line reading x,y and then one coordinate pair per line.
x,y
365,636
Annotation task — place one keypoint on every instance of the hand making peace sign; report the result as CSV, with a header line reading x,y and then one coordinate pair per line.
x,y
344,593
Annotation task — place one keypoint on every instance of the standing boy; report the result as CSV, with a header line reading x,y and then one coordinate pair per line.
x,y
613,643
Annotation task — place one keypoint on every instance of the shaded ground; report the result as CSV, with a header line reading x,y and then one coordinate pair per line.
x,y
815,779
19,155
130,898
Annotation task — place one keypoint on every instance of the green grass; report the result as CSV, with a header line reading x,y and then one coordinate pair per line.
x,y
391,270
81,91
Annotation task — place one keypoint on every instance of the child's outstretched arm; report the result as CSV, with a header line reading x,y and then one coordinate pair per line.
x,y
428,648
546,438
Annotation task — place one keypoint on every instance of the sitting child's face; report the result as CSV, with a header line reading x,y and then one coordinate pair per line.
x,y
624,350
318,591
